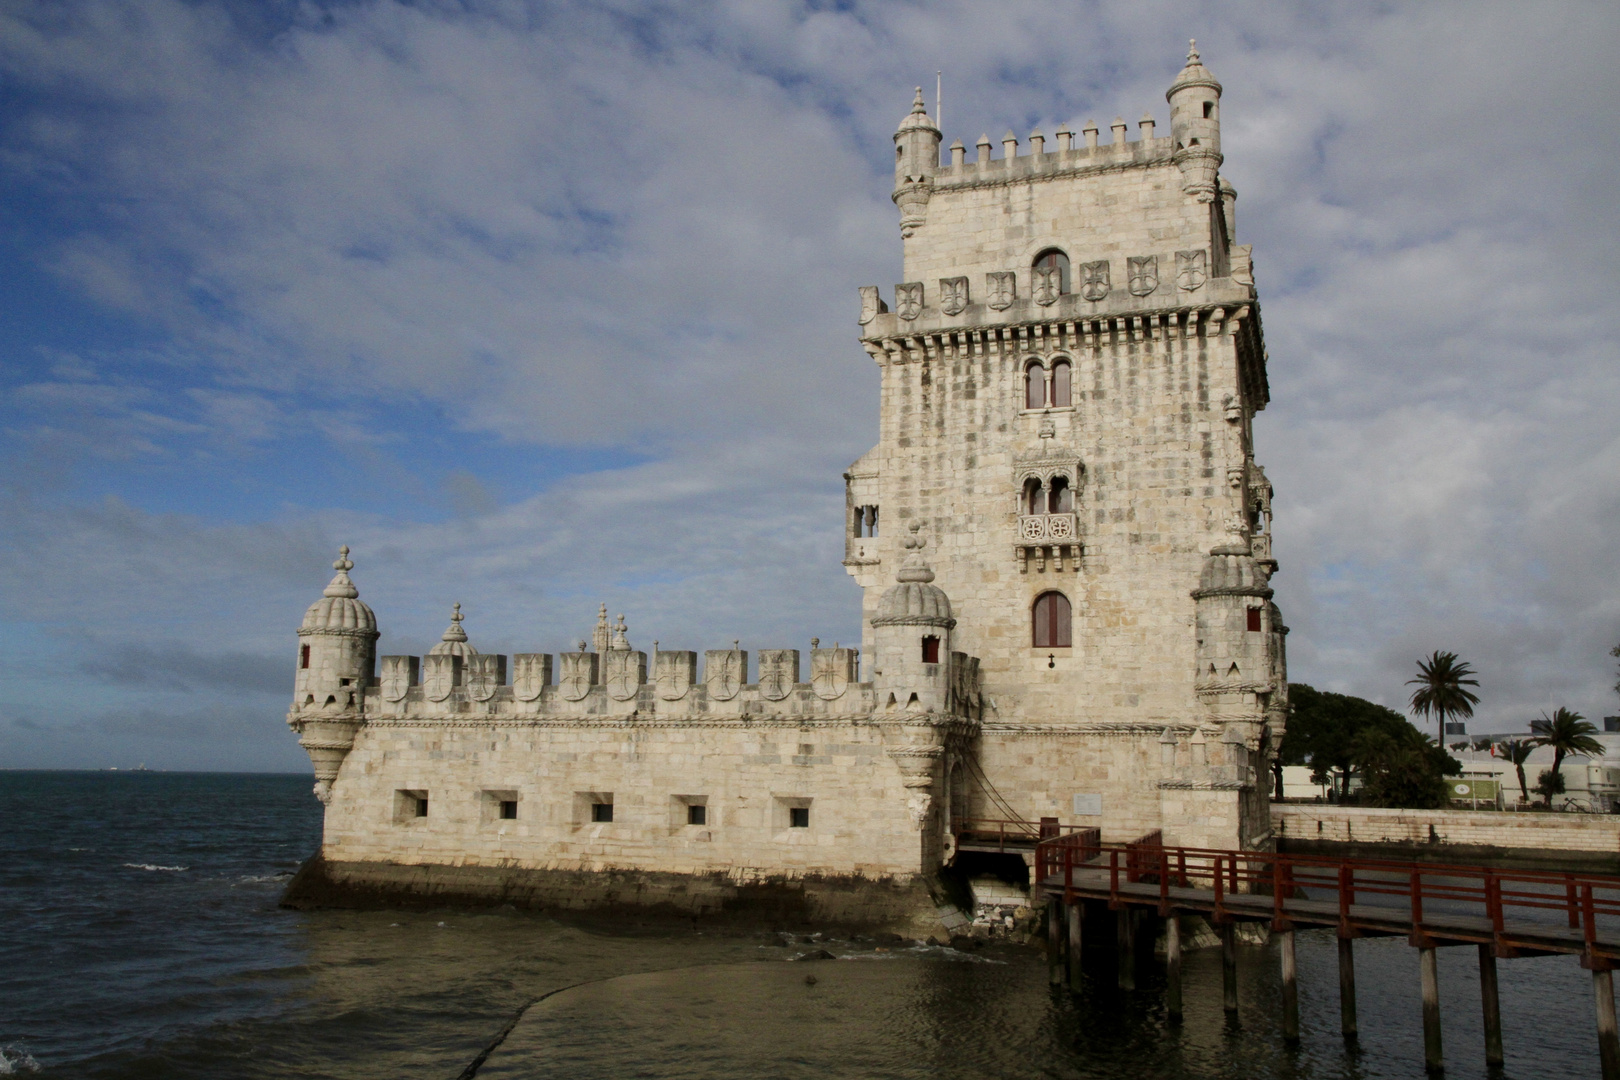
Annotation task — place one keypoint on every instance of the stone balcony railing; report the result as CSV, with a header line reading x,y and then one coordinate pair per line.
x,y
1048,529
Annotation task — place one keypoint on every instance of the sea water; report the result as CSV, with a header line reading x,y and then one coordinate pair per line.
x,y
140,937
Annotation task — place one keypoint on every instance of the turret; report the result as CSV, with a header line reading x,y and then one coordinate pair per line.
x,y
1195,127
911,637
916,160
337,647
1236,633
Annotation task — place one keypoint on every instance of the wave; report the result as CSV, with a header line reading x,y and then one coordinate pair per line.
x,y
153,866
14,1061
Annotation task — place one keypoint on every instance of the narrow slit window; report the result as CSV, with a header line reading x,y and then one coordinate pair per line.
x,y
421,806
1051,621
697,815
303,657
1061,384
509,809
930,649
1254,620
601,811
1035,387
799,817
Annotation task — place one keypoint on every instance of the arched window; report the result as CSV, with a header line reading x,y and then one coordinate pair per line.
x,y
1060,384
1053,259
1050,622
1035,387
1060,497
1033,502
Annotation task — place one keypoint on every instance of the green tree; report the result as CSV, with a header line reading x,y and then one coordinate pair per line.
x,y
1322,728
1548,784
1440,689
1401,767
1517,752
1567,733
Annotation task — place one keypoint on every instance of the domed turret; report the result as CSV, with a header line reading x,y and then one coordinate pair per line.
x,y
911,635
1195,127
1234,621
916,160
454,641
337,646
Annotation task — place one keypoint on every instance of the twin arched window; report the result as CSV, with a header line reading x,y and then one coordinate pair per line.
x,y
1057,497
1045,388
1051,621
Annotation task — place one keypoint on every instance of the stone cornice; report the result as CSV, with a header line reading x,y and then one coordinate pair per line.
x,y
1124,727
1069,325
864,720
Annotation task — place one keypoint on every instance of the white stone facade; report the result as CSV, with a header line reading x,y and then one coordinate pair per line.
x,y
1146,699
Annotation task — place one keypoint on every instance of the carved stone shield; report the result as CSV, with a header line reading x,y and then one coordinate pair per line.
x,y
1001,286
830,672
486,673
778,673
872,304
626,671
724,672
1094,280
578,675
398,676
1047,285
1144,274
908,300
676,671
953,295
439,676
531,674
1190,269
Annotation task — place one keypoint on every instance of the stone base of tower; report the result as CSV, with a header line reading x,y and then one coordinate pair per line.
x,y
1211,816
903,907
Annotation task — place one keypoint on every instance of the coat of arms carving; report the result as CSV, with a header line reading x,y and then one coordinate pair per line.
x,y
1094,280
1047,285
1144,274
872,304
724,672
531,674
1001,286
439,675
578,674
1190,269
675,673
486,673
626,671
830,672
908,300
398,676
778,673
953,295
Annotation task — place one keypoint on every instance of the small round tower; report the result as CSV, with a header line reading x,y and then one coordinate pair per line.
x,y
911,636
916,160
337,652
454,641
1195,126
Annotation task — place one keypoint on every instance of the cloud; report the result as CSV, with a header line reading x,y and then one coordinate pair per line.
x,y
181,667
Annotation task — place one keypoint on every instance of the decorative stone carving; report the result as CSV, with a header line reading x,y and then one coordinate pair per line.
x,y
778,673
1001,288
831,672
440,673
724,672
1144,274
964,684
578,674
1047,285
675,672
953,295
916,763
1191,269
872,304
531,674
399,674
486,673
626,672
908,300
1035,528
1094,280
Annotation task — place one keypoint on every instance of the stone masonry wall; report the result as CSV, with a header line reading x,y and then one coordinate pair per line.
x,y
1479,828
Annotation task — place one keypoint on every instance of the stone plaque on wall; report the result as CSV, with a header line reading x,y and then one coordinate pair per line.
x,y
1088,806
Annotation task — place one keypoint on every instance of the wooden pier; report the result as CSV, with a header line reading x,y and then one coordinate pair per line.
x,y
1503,913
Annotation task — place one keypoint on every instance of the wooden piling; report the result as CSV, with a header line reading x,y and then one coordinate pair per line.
x,y
1347,987
1608,1037
1125,953
1433,1058
1229,995
1076,913
1054,941
1172,969
1290,987
1491,1005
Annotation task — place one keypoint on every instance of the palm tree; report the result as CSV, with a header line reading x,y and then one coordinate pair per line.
x,y
1440,692
1567,733
1518,752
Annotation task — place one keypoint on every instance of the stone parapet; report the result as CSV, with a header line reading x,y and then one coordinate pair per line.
x,y
1517,830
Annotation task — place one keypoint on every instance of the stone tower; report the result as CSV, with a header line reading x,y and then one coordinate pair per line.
x,y
337,646
1069,376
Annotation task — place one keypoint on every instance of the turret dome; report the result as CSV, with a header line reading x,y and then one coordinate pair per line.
x,y
340,607
917,117
914,598
1194,74
1232,570
454,641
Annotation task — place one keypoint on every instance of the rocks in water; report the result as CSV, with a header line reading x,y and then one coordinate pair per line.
x,y
816,954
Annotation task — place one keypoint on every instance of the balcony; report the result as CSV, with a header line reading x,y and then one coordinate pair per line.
x,y
1048,529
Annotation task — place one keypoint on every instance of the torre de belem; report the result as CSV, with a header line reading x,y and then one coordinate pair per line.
x,y
1063,540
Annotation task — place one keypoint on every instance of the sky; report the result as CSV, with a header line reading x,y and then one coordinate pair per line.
x,y
538,306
